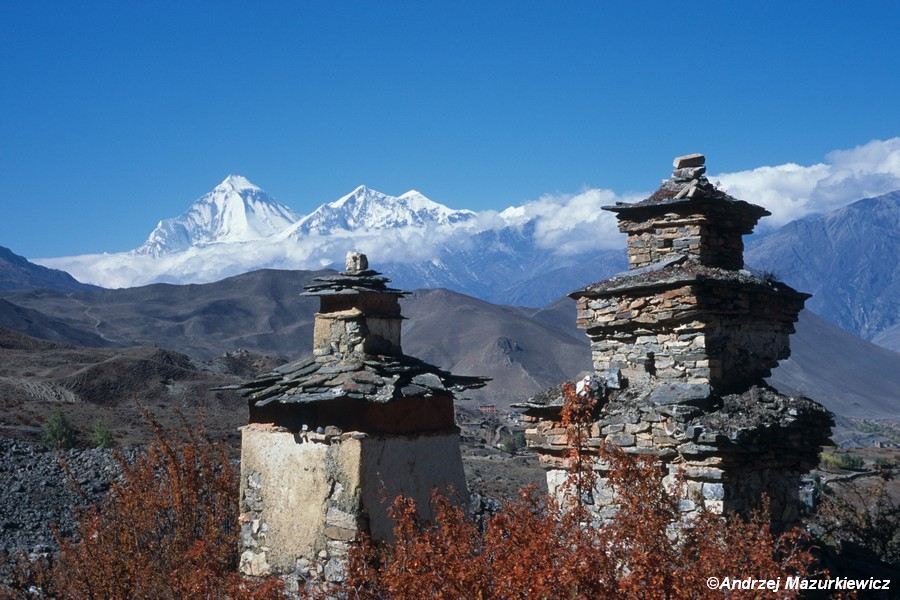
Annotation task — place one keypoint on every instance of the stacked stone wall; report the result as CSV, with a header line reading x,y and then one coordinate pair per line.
x,y
698,333
681,345
718,456
718,245
340,333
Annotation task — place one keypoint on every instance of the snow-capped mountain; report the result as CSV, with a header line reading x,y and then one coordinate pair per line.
x,y
522,255
368,209
236,210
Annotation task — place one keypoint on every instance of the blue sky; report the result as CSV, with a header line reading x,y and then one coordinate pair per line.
x,y
114,115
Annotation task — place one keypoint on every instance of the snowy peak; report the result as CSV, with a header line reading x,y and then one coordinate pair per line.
x,y
236,183
236,210
368,209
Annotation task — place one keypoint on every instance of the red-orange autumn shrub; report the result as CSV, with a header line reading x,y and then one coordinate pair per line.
x,y
534,548
168,530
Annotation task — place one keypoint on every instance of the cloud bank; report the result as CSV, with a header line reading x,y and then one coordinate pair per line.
x,y
559,224
569,224
791,191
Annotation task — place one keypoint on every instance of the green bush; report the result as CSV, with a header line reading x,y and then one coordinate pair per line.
x,y
101,436
58,433
842,461
885,462
514,442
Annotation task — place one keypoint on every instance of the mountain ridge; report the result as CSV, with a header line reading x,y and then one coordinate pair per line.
x,y
17,272
523,350
848,259
365,208
236,210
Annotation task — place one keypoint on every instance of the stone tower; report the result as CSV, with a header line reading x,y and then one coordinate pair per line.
x,y
333,438
681,344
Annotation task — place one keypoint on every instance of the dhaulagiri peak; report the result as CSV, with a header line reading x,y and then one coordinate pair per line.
x,y
237,183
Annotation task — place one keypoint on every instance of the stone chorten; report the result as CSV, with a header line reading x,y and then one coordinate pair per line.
x,y
681,344
333,438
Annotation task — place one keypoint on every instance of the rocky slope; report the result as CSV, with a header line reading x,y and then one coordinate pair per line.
x,y
18,273
848,259
889,338
112,387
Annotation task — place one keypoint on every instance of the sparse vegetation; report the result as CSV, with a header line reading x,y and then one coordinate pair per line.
x,y
889,430
513,443
101,436
862,516
58,433
841,460
883,462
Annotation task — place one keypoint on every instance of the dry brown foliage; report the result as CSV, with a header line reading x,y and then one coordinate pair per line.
x,y
532,549
577,416
168,529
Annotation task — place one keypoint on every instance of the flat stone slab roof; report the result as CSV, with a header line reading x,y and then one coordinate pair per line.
x,y
350,283
732,418
378,379
674,272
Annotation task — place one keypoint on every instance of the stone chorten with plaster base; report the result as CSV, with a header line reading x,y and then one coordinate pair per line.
x,y
681,344
332,439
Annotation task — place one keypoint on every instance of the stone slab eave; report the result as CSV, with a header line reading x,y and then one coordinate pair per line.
x,y
649,206
607,287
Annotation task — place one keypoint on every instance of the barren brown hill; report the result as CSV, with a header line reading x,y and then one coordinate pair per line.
x,y
91,385
523,350
521,354
263,312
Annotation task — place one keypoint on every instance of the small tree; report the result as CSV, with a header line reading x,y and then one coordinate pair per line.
x,y
101,436
513,442
58,433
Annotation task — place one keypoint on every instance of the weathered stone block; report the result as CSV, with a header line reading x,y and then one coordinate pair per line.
x,y
621,439
679,393
713,491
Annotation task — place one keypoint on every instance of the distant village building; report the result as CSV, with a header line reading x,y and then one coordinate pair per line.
x,y
334,438
681,344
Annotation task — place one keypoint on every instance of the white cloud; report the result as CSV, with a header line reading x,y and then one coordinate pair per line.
x,y
572,223
564,224
792,191
206,263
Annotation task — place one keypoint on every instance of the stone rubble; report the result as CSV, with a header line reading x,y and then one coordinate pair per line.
x,y
39,493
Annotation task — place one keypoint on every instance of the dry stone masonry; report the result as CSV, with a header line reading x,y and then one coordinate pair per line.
x,y
333,438
681,345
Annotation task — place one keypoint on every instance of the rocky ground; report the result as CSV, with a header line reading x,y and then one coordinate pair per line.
x,y
43,491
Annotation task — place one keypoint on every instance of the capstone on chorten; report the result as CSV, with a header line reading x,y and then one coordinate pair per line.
x,y
681,345
333,438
